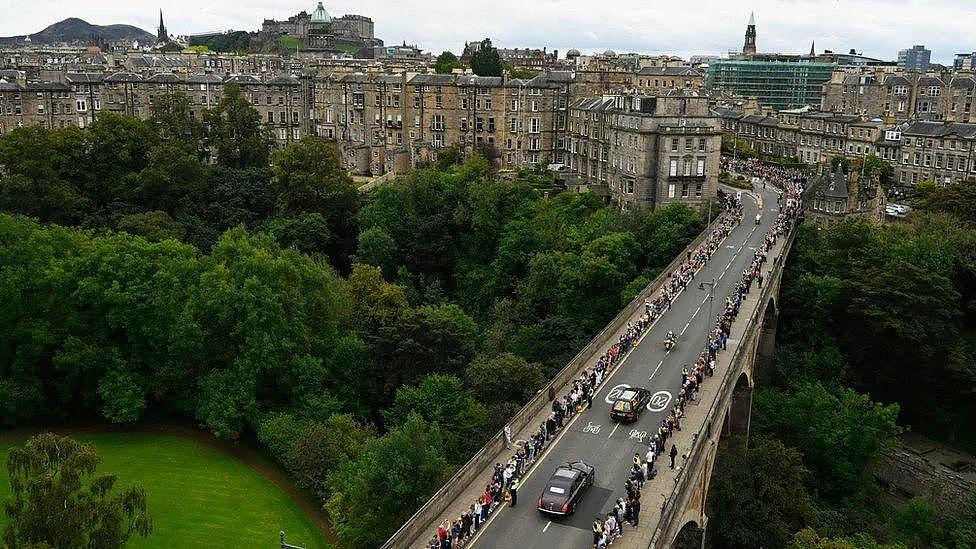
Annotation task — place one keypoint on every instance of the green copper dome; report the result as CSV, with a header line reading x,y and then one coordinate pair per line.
x,y
320,15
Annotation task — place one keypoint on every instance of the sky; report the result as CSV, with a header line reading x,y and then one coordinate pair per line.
x,y
877,28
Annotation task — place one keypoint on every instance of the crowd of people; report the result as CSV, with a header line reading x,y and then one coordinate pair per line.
x,y
504,484
780,177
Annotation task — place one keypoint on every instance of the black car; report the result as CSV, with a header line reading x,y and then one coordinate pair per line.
x,y
630,403
565,488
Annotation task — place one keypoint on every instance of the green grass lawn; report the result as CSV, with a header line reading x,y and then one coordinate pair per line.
x,y
198,495
291,44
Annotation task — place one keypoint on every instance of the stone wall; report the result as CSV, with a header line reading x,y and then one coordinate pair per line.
x,y
906,475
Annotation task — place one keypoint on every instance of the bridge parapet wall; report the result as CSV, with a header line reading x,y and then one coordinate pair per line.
x,y
694,474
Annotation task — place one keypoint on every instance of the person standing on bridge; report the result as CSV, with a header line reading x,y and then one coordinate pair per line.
x,y
513,492
634,506
673,454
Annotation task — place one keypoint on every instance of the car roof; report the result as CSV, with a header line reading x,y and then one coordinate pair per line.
x,y
566,472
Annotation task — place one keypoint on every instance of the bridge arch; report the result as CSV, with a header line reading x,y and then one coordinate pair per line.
x,y
740,408
691,536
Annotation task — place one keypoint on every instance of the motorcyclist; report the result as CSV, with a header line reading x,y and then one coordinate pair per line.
x,y
670,339
758,218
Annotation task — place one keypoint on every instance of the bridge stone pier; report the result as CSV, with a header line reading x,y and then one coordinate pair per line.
x,y
722,410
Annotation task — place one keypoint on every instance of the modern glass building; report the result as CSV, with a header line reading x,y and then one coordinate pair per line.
x,y
778,84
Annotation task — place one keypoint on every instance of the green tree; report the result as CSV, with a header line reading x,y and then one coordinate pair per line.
x,y
818,420
153,226
808,538
172,115
172,178
443,402
958,199
119,147
412,344
915,523
307,232
446,62
320,449
759,495
379,490
485,60
376,247
235,131
308,177
58,501
271,321
42,175
915,312
874,165
505,377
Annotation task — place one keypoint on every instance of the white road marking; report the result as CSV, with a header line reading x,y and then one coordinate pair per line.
x,y
698,310
685,328
546,527
614,430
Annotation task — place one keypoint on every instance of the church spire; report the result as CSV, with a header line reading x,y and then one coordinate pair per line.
x,y
813,51
161,33
749,47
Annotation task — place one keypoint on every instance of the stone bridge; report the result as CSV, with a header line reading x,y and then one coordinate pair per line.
x,y
674,504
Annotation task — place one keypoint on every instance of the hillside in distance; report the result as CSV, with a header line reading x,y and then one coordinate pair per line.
x,y
78,31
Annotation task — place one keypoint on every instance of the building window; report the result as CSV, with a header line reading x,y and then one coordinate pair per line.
x,y
673,170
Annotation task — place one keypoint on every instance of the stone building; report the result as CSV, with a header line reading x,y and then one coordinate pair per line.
x,y
902,96
644,151
320,32
835,196
943,152
398,120
281,100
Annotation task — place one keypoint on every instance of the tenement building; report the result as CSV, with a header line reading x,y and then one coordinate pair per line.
x,y
902,96
643,151
943,152
835,196
282,101
386,122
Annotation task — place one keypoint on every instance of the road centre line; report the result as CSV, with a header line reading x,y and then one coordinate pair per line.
x,y
614,429
546,527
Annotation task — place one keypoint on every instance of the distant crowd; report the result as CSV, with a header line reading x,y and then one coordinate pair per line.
x,y
782,178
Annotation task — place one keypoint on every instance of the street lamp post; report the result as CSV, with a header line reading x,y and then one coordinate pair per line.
x,y
711,298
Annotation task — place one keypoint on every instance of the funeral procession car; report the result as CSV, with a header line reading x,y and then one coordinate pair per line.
x,y
565,488
630,403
